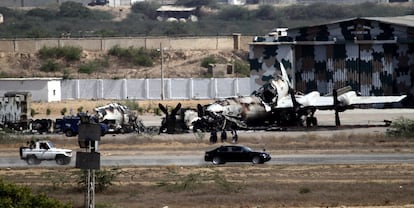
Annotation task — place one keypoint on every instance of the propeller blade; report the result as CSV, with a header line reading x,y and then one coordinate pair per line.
x,y
163,109
336,107
200,110
176,109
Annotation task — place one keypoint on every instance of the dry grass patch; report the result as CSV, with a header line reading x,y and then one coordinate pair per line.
x,y
235,185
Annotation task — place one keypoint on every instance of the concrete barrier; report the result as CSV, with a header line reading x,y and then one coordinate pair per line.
x,y
104,44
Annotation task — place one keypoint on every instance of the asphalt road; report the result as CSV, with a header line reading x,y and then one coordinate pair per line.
x,y
351,117
198,160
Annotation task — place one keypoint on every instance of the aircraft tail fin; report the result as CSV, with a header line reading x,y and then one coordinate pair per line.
x,y
284,74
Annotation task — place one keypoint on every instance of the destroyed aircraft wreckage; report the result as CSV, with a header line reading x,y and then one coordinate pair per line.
x,y
118,118
275,104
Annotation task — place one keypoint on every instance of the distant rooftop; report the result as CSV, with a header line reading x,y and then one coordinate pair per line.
x,y
407,21
175,9
31,79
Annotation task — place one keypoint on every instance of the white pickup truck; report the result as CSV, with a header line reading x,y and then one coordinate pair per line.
x,y
44,150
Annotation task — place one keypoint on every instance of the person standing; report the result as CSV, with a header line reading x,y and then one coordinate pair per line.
x,y
223,135
213,136
235,137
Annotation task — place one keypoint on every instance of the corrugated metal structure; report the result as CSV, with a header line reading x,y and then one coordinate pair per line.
x,y
374,55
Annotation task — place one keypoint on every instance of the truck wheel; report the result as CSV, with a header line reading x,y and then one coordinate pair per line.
x,y
62,160
32,160
69,133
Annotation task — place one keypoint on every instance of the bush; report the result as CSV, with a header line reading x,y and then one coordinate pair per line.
x,y
139,57
241,68
149,9
63,111
50,66
132,105
66,74
304,190
33,112
401,127
69,53
142,60
37,33
15,196
73,9
207,61
46,14
87,68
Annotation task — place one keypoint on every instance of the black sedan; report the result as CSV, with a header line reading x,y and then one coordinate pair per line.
x,y
233,153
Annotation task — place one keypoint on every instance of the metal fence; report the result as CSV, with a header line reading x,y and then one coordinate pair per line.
x,y
143,89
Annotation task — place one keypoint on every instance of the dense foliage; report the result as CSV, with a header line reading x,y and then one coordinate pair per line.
x,y
136,56
69,53
214,19
15,196
401,127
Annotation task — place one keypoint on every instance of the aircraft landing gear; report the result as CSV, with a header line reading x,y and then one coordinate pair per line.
x,y
311,122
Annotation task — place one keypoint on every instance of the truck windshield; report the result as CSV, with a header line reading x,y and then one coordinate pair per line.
x,y
50,144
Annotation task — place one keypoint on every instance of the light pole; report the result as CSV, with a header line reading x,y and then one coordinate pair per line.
x,y
162,72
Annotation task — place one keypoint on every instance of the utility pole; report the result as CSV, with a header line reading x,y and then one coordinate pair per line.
x,y
162,72
89,136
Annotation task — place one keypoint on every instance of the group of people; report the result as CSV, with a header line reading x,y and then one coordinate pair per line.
x,y
223,136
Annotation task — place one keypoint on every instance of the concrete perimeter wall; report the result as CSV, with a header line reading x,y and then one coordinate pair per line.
x,y
103,44
144,89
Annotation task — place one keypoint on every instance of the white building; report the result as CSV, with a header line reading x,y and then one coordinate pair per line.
x,y
42,89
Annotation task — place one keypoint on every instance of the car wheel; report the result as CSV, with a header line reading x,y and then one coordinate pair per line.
x,y
62,160
32,160
217,161
69,133
256,160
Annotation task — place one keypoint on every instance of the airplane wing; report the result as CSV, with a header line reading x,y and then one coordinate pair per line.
x,y
327,102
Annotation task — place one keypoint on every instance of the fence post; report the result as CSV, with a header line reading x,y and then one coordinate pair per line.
x,y
124,94
77,89
191,89
236,87
146,88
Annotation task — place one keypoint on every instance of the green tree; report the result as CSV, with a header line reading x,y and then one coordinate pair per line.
x,y
45,14
234,13
73,9
197,3
149,9
266,12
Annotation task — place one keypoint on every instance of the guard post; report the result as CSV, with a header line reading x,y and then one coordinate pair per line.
x,y
88,139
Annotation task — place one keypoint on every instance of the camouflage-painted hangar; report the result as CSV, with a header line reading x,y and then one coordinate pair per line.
x,y
373,55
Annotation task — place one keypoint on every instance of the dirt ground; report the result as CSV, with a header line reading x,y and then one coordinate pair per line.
x,y
384,185
177,64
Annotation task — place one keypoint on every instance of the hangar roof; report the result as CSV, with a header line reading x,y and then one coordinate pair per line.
x,y
400,20
407,21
